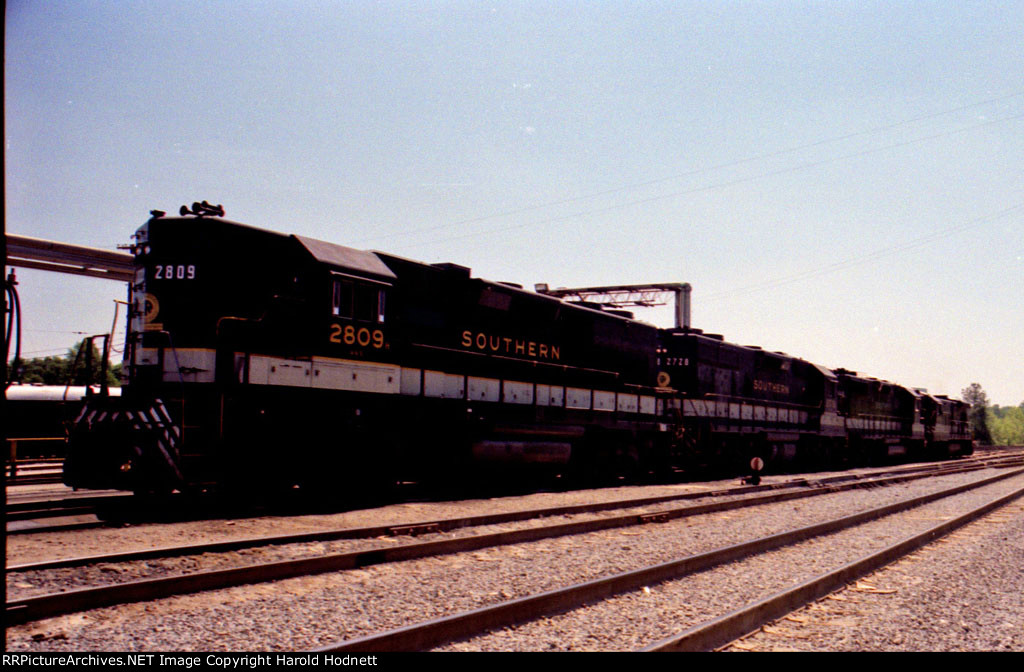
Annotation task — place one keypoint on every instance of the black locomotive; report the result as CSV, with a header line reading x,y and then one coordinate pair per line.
x,y
256,359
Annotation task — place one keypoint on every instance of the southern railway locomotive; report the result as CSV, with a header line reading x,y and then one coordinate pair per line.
x,y
260,360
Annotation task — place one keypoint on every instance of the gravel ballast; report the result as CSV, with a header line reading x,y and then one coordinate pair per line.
x,y
964,593
634,620
308,612
26,548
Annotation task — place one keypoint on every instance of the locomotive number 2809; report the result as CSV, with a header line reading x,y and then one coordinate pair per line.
x,y
349,335
175,272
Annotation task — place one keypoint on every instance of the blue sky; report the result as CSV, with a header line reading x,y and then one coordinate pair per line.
x,y
843,181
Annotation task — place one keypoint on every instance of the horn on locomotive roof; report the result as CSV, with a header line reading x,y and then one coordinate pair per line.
x,y
203,209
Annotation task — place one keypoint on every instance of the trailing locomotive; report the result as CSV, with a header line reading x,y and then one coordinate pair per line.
x,y
257,359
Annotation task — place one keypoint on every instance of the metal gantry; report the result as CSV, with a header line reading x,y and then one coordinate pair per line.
x,y
49,255
624,296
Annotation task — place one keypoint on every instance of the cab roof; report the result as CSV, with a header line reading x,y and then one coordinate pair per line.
x,y
345,257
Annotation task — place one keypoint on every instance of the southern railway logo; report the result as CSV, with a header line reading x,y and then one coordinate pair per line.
x,y
507,345
150,307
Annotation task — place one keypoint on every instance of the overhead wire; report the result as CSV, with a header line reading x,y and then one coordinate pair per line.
x,y
53,351
874,255
729,183
691,173
57,331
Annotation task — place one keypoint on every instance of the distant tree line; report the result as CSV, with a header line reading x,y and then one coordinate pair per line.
x,y
61,370
1006,425
994,425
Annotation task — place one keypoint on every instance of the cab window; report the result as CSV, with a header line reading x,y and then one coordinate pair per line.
x,y
358,301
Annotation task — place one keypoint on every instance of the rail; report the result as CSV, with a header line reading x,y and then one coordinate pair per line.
x,y
12,463
80,599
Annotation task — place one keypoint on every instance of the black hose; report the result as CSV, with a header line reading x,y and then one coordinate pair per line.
x,y
13,317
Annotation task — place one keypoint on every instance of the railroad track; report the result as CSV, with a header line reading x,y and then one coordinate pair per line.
x,y
706,635
416,528
41,606
38,510
717,632
31,514
34,472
